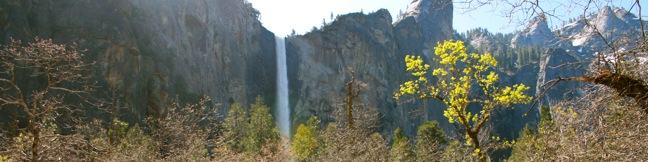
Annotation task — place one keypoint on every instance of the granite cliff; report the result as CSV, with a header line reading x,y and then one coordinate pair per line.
x,y
372,47
152,52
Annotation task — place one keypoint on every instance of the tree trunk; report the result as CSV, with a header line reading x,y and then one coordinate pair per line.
x,y
35,142
625,85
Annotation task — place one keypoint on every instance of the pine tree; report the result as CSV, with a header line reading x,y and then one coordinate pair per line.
x,y
261,131
430,139
401,150
235,125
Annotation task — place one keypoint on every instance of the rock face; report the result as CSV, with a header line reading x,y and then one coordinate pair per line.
x,y
153,51
613,25
537,33
507,123
320,64
557,63
432,17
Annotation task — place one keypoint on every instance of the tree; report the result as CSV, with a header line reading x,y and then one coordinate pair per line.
x,y
613,66
462,79
235,125
429,141
401,150
262,129
293,33
306,143
36,79
183,132
352,92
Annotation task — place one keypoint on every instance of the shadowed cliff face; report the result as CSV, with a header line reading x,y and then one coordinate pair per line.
x,y
319,65
154,51
554,64
434,19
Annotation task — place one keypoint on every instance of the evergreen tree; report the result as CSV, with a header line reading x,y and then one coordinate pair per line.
x,y
235,125
261,130
401,149
430,139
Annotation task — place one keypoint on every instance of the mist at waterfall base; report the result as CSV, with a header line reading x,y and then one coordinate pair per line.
x,y
283,110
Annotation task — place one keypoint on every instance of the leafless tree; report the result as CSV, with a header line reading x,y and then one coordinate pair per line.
x,y
614,72
36,79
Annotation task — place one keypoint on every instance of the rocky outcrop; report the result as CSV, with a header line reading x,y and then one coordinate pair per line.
x,y
554,64
537,33
408,36
613,24
153,51
320,63
434,18
610,27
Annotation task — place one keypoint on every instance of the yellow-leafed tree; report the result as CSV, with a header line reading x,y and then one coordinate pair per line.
x,y
306,142
453,83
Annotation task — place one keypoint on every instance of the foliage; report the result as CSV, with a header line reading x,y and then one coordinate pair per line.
x,y
306,142
545,116
182,133
430,140
57,146
401,150
36,79
599,126
250,134
261,130
136,145
355,144
458,72
359,143
235,125
456,151
117,130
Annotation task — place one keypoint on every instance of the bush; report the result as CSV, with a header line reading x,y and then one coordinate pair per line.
x,y
401,150
235,125
342,143
600,126
179,133
430,140
306,143
261,131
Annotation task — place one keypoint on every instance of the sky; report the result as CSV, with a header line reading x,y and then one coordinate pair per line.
x,y
282,16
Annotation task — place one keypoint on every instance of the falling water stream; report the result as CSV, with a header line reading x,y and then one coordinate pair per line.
x,y
283,110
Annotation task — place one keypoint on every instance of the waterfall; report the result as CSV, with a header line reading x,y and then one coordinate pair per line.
x,y
283,110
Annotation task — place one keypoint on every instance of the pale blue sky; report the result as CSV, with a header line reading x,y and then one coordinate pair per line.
x,y
282,16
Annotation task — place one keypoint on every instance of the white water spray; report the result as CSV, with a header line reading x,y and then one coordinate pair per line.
x,y
283,109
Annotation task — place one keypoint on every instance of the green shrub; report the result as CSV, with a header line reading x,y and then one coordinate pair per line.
x,y
430,140
261,130
235,125
401,150
306,143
